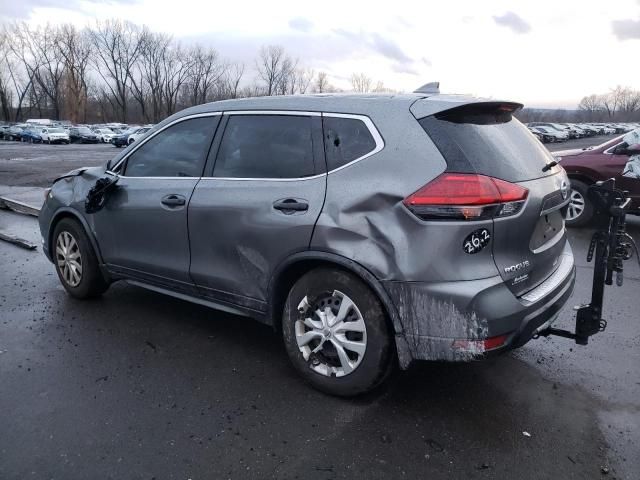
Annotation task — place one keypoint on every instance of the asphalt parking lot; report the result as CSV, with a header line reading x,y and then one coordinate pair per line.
x,y
138,385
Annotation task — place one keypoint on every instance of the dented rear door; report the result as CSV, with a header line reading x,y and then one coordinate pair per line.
x,y
257,205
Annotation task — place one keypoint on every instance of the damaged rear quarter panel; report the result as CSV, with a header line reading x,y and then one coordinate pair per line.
x,y
365,220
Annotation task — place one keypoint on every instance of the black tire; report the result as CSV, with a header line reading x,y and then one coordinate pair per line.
x,y
585,217
92,282
376,362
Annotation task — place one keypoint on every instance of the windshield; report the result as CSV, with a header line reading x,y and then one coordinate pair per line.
x,y
488,140
84,130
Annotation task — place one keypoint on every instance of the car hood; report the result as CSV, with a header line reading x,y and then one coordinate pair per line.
x,y
567,153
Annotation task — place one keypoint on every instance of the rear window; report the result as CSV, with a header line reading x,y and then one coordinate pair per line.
x,y
345,140
487,139
266,146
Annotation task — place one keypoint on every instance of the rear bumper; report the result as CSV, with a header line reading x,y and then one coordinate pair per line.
x,y
450,320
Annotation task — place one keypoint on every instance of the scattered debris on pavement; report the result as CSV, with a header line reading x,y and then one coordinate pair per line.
x,y
20,242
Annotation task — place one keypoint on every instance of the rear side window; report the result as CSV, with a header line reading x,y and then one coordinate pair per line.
x,y
487,139
178,151
345,140
266,146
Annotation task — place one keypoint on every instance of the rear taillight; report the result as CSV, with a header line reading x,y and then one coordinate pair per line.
x,y
466,196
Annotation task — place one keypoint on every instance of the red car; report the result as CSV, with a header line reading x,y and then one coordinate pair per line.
x,y
591,164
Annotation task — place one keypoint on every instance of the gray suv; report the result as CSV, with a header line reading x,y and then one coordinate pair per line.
x,y
371,231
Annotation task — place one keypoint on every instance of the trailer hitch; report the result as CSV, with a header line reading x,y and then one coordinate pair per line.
x,y
611,245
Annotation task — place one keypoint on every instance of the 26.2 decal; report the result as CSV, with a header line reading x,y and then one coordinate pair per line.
x,y
476,241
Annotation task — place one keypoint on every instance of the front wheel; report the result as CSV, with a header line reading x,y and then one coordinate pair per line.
x,y
579,210
336,334
76,262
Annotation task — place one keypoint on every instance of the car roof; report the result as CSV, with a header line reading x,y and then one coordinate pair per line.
x,y
341,103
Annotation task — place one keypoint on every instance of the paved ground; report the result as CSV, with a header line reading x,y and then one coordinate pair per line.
x,y
25,164
580,142
138,385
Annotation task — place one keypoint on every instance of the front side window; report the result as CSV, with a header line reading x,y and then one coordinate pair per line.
x,y
178,151
266,146
345,140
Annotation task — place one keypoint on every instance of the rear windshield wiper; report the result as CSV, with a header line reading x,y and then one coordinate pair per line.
x,y
549,166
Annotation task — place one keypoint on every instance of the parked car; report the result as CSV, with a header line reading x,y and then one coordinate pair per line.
x,y
54,135
285,227
82,135
556,128
589,165
542,135
104,134
31,135
4,131
137,134
122,140
552,134
14,133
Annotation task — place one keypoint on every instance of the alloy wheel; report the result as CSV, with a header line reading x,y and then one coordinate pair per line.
x,y
69,259
576,205
331,334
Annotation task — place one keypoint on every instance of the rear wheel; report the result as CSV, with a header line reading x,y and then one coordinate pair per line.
x,y
580,210
336,334
76,262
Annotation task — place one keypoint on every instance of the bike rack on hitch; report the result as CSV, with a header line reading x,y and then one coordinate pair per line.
x,y
612,245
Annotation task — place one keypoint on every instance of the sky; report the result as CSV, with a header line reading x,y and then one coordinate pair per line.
x,y
543,53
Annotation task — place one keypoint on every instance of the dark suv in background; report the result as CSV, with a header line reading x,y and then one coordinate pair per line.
x,y
82,135
368,230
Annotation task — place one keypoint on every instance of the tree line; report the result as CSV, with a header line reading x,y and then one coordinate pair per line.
x,y
118,71
619,104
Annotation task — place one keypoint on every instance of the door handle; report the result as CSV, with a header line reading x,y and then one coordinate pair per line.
x,y
290,205
173,200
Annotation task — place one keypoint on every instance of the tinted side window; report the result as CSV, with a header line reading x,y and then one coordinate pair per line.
x,y
178,151
266,146
345,140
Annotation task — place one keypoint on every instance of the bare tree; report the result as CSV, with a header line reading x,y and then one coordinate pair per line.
x,y
176,71
75,50
304,77
361,83
148,75
42,45
117,47
611,101
591,104
321,85
206,72
272,65
229,84
628,102
22,65
6,97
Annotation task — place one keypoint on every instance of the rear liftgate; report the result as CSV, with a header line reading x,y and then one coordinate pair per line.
x,y
611,244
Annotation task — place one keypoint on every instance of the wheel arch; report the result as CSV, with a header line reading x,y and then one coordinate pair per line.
x,y
66,212
581,177
286,274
